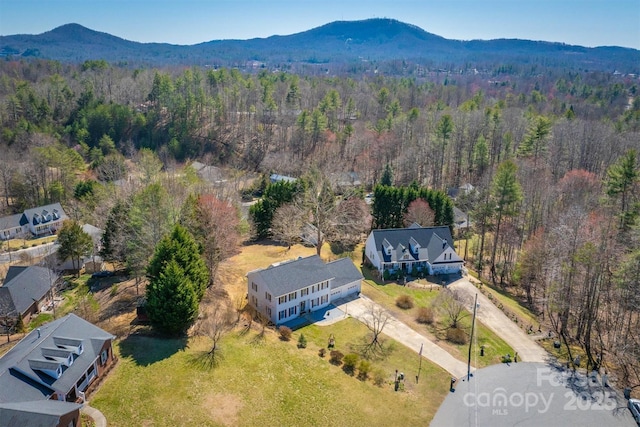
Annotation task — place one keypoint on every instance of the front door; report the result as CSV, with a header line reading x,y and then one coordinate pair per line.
x,y
302,307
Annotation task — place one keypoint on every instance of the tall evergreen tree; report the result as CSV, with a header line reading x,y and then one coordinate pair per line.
x,y
181,247
116,233
622,181
172,303
73,243
506,193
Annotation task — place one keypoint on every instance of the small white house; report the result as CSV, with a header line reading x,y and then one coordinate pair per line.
x,y
413,249
289,289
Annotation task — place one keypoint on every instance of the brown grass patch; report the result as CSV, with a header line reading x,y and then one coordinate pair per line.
x,y
223,408
232,272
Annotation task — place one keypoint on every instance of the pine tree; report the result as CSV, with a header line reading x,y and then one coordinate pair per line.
x,y
73,243
181,247
172,303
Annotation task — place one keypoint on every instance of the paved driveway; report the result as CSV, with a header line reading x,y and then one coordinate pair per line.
x,y
528,350
361,308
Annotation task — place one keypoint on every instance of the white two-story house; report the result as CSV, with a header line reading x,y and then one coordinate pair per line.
x,y
289,289
425,249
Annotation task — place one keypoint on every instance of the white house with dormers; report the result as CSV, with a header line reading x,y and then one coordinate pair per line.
x,y
40,221
414,249
290,289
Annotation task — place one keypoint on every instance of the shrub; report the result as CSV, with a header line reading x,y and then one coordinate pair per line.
x,y
364,367
405,302
379,377
285,333
425,315
114,291
302,341
350,362
456,336
322,352
336,357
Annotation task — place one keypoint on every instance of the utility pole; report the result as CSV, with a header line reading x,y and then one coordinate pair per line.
x,y
473,323
420,363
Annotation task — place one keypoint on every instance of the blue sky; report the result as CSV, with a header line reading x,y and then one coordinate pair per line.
x,y
581,22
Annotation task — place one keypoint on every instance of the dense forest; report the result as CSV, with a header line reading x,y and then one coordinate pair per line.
x,y
552,158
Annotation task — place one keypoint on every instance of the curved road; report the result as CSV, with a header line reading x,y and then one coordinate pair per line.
x,y
528,350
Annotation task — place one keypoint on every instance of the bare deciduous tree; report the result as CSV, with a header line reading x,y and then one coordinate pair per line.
x,y
450,305
375,319
287,223
217,320
419,212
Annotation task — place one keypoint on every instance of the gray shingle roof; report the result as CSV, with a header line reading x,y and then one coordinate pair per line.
x,y
19,381
7,307
35,413
45,214
290,276
12,221
343,272
430,240
26,284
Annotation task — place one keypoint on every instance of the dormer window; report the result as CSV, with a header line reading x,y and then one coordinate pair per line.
x,y
50,367
414,245
386,246
72,344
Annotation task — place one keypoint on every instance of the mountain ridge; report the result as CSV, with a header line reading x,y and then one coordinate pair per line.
x,y
376,39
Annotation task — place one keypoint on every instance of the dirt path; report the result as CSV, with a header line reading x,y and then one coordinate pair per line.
x,y
528,350
360,309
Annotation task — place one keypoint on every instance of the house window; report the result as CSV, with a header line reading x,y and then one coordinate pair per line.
x,y
282,314
292,296
304,292
254,301
282,299
103,356
267,296
293,310
254,286
324,299
269,311
313,289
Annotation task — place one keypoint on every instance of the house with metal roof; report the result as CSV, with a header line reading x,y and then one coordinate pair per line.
x,y
428,250
290,289
26,291
59,361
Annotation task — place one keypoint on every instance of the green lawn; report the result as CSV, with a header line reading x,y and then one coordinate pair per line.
x,y
386,294
264,382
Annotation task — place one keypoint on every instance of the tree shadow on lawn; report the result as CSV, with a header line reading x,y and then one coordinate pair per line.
x,y
146,350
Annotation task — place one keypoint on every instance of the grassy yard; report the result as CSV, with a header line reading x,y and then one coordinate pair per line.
x,y
163,382
386,294
15,244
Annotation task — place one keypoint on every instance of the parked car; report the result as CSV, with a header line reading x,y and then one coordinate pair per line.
x,y
103,273
634,407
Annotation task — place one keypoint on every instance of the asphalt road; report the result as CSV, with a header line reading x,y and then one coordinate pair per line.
x,y
491,316
532,395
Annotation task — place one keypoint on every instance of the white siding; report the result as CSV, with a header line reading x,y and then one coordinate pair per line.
x,y
371,252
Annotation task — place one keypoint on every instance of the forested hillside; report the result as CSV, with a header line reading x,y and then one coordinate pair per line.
x,y
552,157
